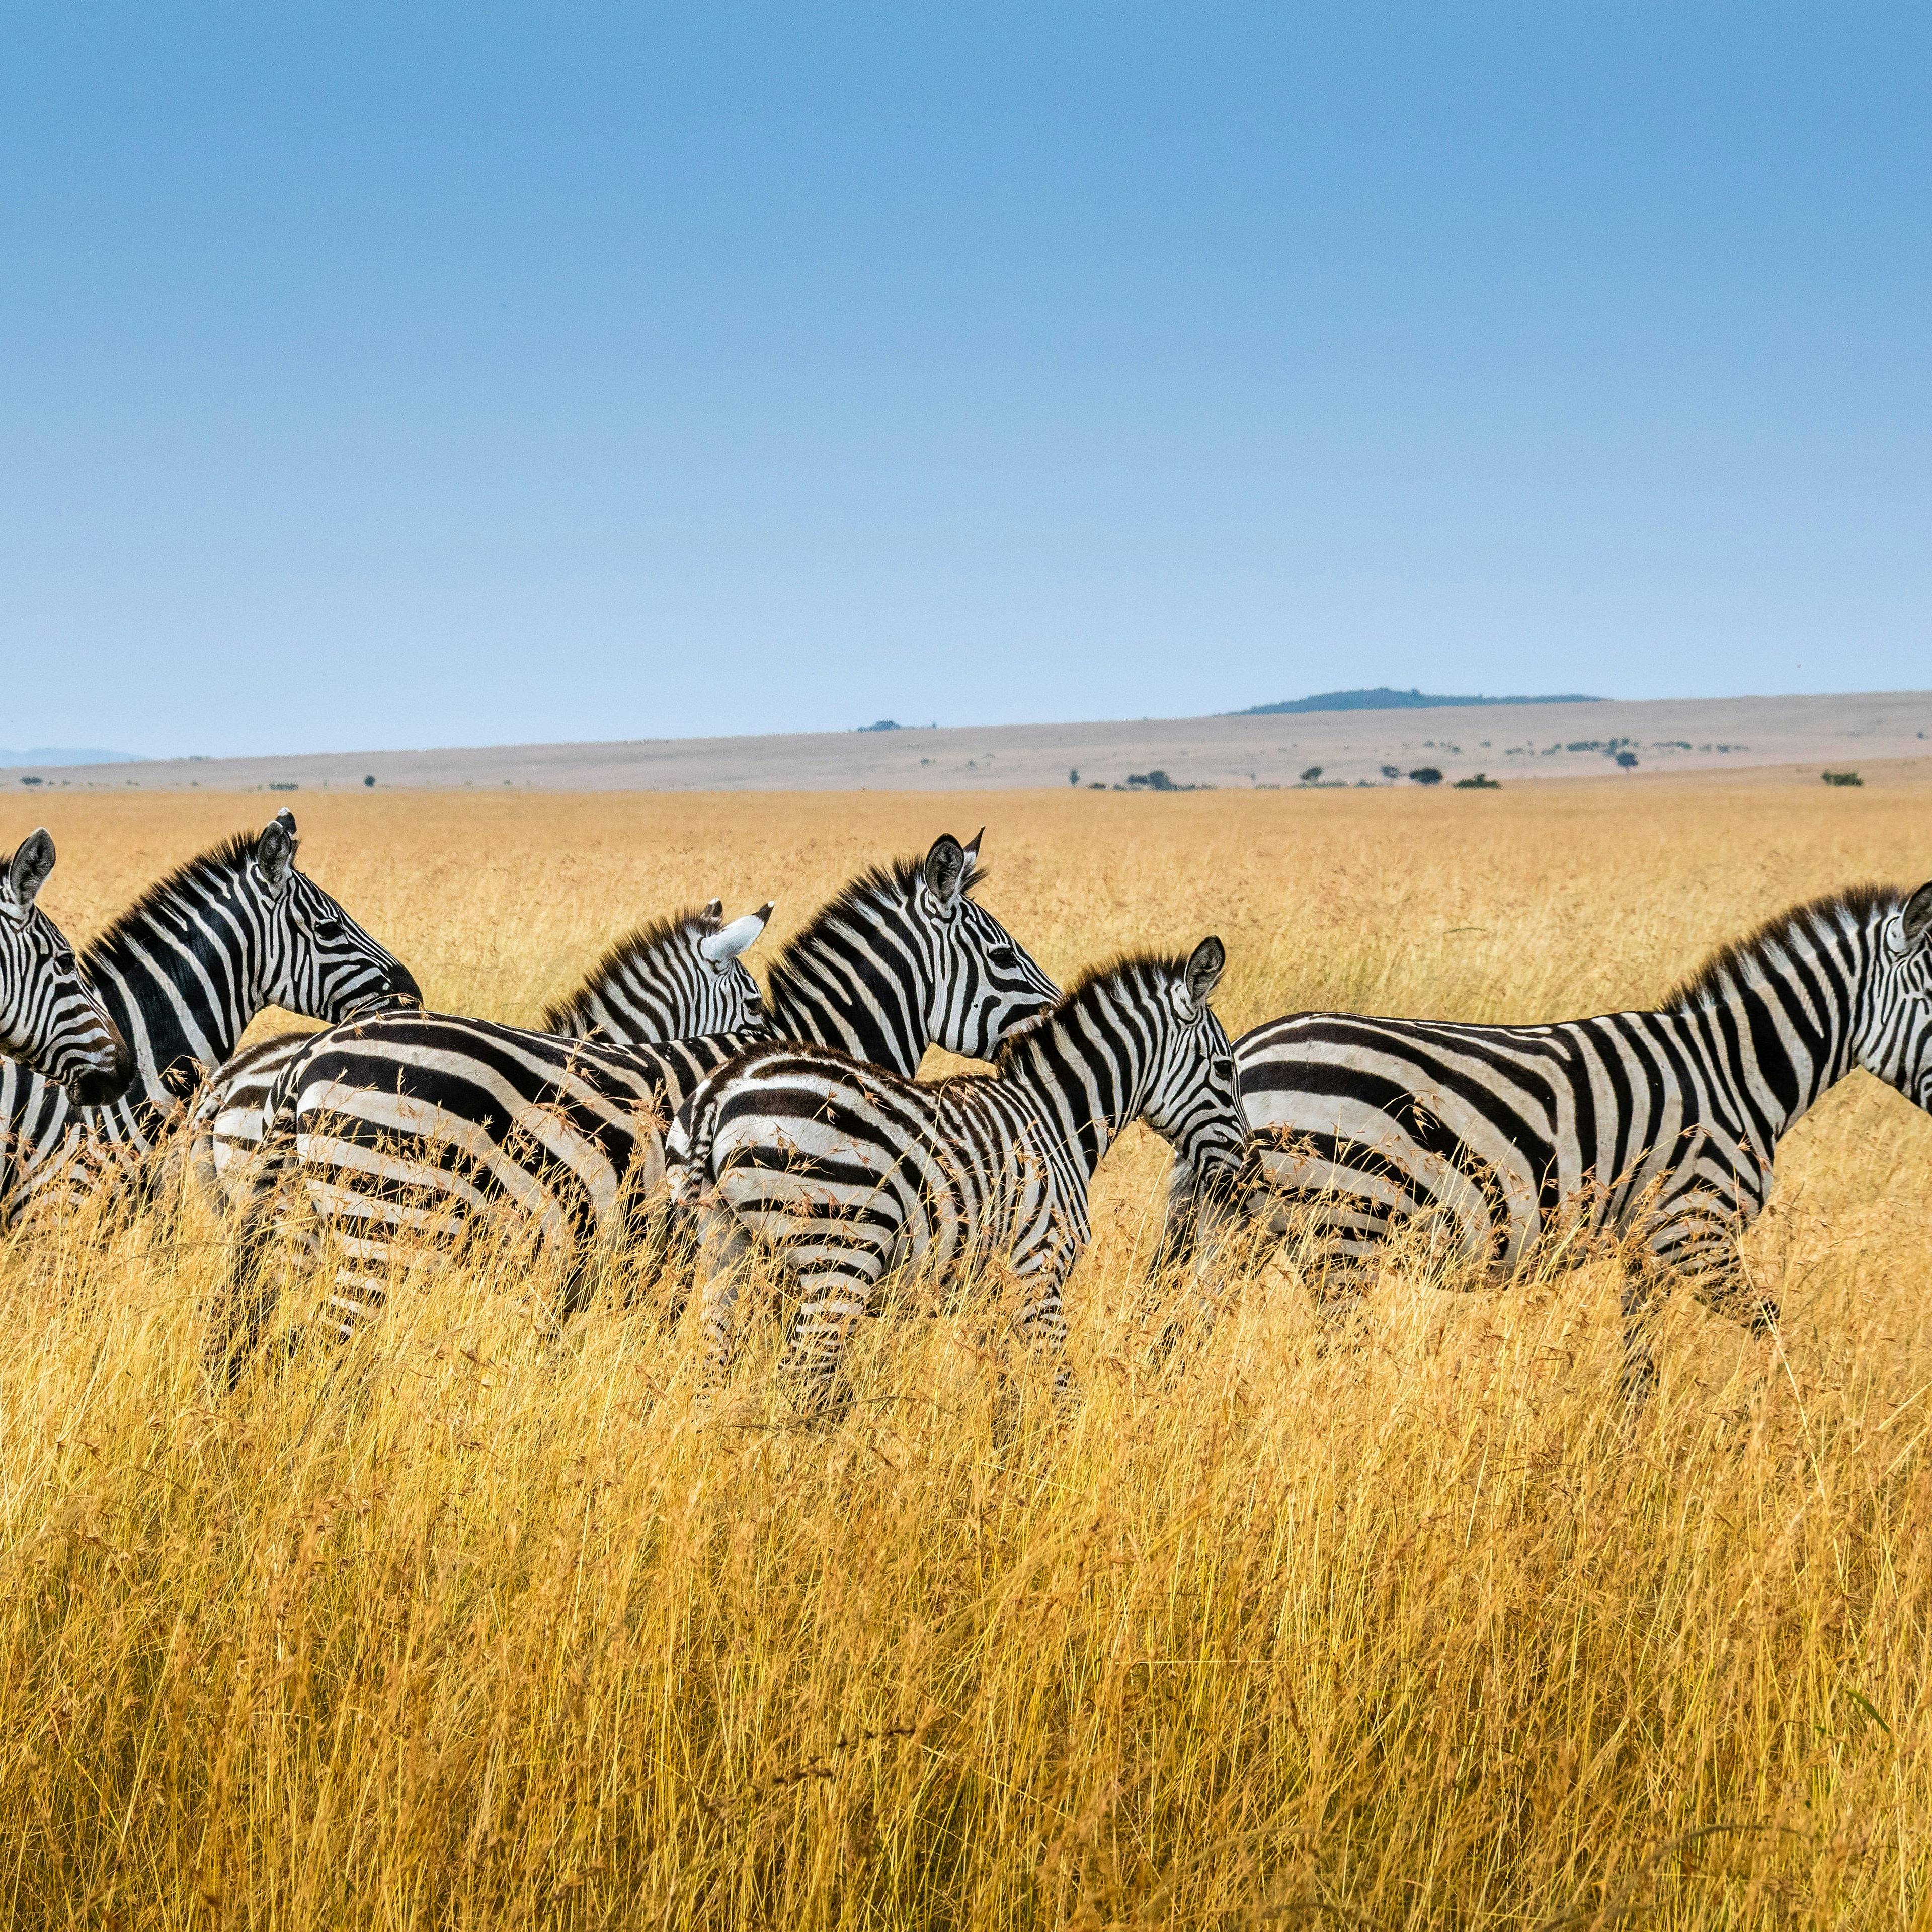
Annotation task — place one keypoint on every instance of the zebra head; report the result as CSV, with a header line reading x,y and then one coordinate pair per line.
x,y
1894,1037
981,983
674,979
1193,1101
49,1016
314,958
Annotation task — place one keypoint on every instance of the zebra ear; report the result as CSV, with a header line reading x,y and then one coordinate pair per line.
x,y
275,852
29,870
973,853
736,937
1916,918
947,867
714,911
1205,964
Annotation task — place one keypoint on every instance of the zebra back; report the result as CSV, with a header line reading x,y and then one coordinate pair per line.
x,y
51,1021
670,979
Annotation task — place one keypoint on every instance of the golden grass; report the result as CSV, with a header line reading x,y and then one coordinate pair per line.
x,y
473,1626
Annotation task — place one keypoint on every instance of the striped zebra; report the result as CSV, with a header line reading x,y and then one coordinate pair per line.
x,y
1659,1125
847,1173
182,972
667,980
410,1123
51,1021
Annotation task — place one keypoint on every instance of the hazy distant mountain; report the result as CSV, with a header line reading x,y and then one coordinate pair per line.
x,y
1383,699
66,754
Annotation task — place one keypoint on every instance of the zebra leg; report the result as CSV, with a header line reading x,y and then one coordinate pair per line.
x,y
1728,1291
1698,1244
664,1235
1638,1375
1042,1325
835,1290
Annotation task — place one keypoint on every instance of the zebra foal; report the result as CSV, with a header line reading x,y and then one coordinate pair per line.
x,y
847,1173
1662,1125
51,1021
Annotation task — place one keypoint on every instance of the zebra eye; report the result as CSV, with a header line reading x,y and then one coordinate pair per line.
x,y
328,929
1003,955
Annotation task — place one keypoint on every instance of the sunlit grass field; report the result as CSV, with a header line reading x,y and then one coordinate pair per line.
x,y
477,1624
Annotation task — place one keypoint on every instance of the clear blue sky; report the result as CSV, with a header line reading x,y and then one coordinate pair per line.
x,y
391,377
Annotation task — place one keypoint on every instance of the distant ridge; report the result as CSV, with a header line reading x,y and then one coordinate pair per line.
x,y
66,754
1383,699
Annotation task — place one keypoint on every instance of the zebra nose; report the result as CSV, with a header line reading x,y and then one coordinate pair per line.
x,y
99,1086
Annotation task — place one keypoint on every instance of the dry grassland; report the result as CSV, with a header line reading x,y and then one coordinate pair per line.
x,y
475,1627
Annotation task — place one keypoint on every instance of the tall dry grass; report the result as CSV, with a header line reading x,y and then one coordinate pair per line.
x,y
476,1625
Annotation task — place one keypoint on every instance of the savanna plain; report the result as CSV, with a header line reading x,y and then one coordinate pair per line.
x,y
483,1622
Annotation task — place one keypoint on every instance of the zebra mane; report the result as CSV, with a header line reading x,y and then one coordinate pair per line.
x,y
1838,911
1161,968
635,945
892,883
219,862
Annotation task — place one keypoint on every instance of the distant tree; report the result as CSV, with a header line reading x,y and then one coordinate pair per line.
x,y
1626,760
369,781
1391,771
1482,781
1073,776
1425,775
1830,778
1313,773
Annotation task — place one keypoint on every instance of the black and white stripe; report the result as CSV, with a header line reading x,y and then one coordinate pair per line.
x,y
181,973
847,1173
51,1021
670,980
1662,1125
409,1122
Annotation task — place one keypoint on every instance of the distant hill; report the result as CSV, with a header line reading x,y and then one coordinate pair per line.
x,y
66,754
1383,699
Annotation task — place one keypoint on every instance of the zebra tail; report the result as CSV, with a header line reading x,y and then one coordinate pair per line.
x,y
201,1169
674,1233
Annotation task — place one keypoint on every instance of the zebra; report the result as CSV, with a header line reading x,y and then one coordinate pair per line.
x,y
51,1021
1661,1126
847,1172
415,1121
182,972
665,980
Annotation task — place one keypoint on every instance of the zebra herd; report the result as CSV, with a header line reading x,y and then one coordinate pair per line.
x,y
670,1102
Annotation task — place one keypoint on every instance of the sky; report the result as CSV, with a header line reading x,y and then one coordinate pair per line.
x,y
381,377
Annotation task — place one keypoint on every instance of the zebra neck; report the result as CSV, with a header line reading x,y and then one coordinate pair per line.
x,y
1087,1091
820,998
1782,1029
181,999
